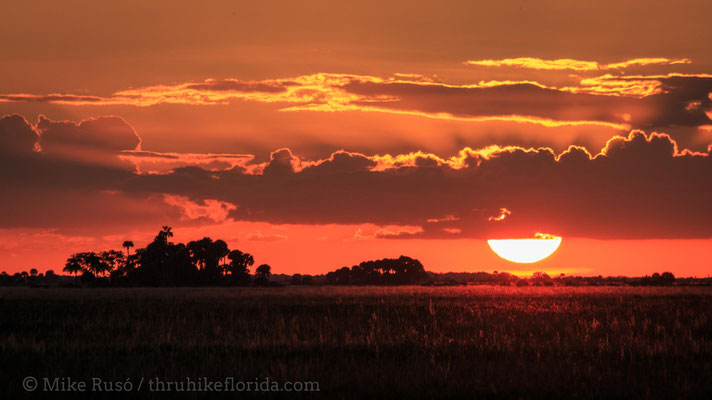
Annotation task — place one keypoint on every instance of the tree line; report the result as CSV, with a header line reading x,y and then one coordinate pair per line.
x,y
208,262
540,278
165,263
388,271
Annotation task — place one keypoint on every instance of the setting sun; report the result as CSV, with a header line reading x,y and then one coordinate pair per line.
x,y
526,250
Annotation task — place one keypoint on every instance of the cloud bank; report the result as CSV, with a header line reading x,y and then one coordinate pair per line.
x,y
638,186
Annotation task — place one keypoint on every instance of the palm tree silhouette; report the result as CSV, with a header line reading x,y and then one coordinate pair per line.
x,y
166,232
73,266
128,245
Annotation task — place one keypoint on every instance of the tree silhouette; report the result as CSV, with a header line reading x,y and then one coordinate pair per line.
x,y
218,253
165,233
33,272
238,267
263,273
299,279
541,279
97,264
208,256
388,271
296,279
343,275
128,245
667,278
111,260
73,266
92,263
163,263
199,251
664,279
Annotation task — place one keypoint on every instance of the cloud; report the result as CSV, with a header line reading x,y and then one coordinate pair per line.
x,y
92,141
388,232
105,134
210,209
503,213
649,102
264,237
17,136
157,162
208,92
638,186
563,64
614,101
641,86
66,174
234,85
59,98
443,219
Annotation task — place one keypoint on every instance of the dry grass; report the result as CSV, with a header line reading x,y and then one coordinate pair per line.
x,y
424,342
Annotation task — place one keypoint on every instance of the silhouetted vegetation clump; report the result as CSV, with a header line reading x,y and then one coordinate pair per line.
x,y
543,279
388,271
299,279
34,278
664,279
162,262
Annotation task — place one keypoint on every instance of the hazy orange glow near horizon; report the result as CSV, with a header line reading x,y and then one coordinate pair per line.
x,y
316,135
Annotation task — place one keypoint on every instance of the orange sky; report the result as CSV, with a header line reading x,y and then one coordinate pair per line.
x,y
408,126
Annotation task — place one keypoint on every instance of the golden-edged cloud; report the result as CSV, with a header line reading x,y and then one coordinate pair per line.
x,y
156,162
568,64
639,86
613,101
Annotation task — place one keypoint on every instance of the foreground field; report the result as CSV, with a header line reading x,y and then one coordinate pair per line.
x,y
371,342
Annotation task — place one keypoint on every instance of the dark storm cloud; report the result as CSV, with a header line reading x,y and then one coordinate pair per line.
x,y
640,186
685,101
109,134
50,188
16,136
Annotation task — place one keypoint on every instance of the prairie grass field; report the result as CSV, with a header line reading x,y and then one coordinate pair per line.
x,y
370,342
